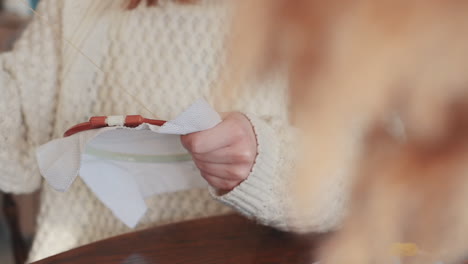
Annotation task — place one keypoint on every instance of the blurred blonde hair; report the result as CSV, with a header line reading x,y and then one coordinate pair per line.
x,y
375,65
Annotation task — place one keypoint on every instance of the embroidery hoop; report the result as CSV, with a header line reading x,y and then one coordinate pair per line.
x,y
96,122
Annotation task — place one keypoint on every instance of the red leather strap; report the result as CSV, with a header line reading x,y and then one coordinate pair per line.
x,y
101,121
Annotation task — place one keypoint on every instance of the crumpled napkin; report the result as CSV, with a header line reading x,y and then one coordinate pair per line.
x,y
123,166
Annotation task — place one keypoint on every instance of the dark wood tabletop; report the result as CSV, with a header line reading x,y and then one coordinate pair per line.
x,y
224,239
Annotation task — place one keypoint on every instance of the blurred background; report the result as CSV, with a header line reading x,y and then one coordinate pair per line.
x,y
18,214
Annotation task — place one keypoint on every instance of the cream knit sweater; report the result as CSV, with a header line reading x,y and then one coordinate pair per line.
x,y
168,56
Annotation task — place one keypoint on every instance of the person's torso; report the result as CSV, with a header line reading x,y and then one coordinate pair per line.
x,y
164,58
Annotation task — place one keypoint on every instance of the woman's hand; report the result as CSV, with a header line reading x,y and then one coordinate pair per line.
x,y
226,153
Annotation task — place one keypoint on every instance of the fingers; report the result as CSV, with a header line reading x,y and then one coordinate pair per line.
x,y
226,133
231,172
220,183
209,140
228,155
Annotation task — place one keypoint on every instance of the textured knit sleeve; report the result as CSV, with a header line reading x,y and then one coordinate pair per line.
x,y
28,91
265,195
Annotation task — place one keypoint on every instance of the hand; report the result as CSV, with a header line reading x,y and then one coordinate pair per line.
x,y
226,153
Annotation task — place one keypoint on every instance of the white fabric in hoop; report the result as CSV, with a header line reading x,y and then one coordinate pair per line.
x,y
123,166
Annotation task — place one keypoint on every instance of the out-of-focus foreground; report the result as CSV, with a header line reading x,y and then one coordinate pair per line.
x,y
379,88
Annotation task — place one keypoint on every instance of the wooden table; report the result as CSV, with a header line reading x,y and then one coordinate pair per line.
x,y
225,239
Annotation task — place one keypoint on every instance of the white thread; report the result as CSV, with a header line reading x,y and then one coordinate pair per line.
x,y
119,85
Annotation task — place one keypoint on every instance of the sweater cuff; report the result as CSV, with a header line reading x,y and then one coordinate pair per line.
x,y
254,196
